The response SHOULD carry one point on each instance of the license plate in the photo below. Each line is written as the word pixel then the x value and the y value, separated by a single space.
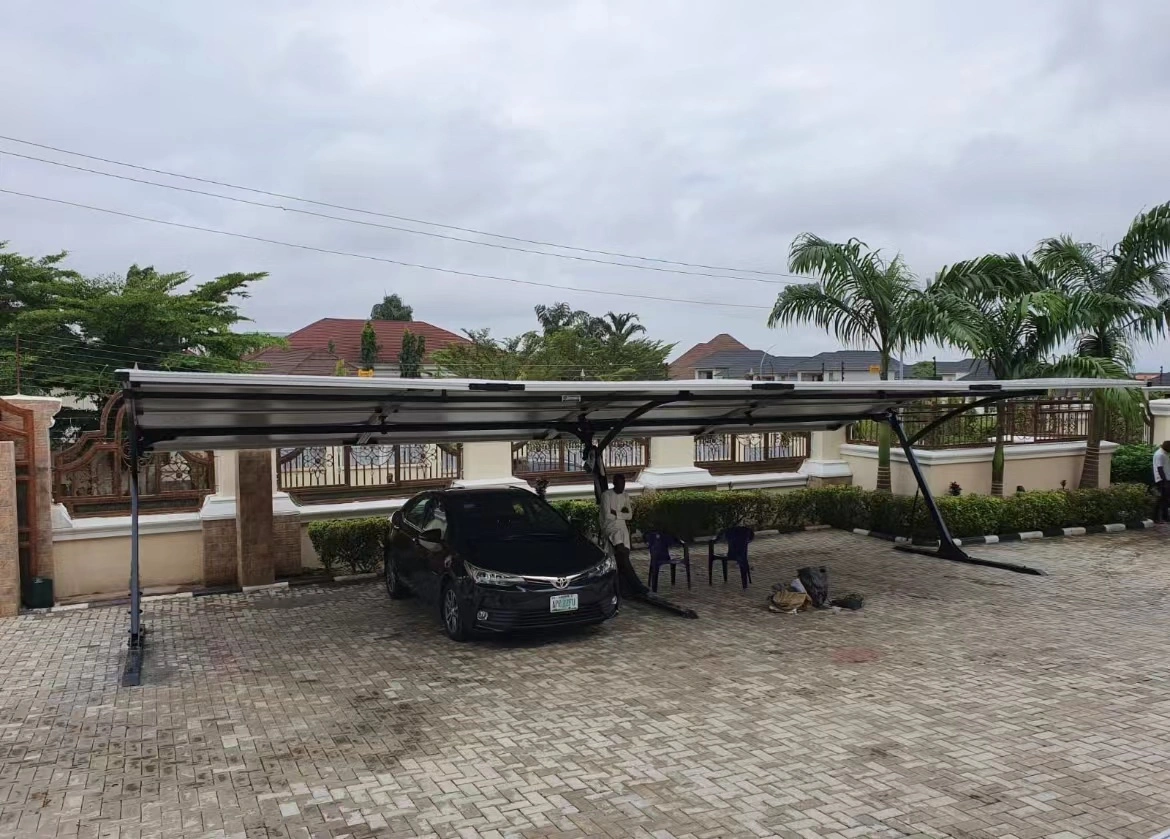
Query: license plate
pixel 562 603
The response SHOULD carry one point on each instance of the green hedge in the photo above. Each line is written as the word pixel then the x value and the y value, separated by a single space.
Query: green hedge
pixel 355 546
pixel 689 514
pixel 1132 464
pixel 352 546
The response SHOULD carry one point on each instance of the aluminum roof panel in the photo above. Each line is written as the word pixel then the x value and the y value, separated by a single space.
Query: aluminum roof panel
pixel 224 411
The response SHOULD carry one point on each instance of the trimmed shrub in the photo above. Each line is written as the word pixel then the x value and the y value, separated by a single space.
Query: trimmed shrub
pixel 355 546
pixel 789 511
pixel 687 514
pixel 1122 503
pixel 1132 464
pixel 582 515
pixel 1039 510
pixel 970 515
pixel 842 507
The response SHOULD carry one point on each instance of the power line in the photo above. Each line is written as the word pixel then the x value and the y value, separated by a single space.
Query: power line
pixel 372 258
pixel 395 228
pixel 408 219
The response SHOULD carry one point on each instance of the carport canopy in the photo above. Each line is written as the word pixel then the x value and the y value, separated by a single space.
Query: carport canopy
pixel 195 411
pixel 176 411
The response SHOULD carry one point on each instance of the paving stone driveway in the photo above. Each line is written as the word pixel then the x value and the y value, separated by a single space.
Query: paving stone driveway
pixel 962 702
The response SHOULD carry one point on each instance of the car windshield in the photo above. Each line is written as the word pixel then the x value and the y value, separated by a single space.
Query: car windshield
pixel 513 515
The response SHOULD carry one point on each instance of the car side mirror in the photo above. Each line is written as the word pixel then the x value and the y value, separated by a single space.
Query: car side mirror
pixel 434 536
pixel 396 518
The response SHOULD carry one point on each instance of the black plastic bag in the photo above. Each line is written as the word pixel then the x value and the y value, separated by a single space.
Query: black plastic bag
pixel 851 601
pixel 816 584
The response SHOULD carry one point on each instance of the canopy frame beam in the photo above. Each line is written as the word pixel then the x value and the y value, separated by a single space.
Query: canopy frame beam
pixel 132 674
pixel 947 547
pixel 630 583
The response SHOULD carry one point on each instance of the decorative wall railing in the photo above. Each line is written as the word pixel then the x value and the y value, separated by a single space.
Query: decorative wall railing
pixel 91 477
pixel 560 461
pixel 1025 421
pixel 347 473
pixel 772 451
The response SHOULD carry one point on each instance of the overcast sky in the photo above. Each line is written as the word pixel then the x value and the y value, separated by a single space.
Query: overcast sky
pixel 695 131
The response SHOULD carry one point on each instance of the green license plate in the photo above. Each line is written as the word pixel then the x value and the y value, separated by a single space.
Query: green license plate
pixel 562 603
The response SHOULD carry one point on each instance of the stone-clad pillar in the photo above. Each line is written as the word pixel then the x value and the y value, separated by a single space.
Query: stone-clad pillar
pixel 254 531
pixel 9 535
pixel 44 408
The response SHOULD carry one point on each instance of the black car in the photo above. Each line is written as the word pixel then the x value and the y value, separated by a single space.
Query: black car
pixel 497 560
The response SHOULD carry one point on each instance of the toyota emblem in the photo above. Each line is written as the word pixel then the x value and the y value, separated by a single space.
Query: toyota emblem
pixel 561 582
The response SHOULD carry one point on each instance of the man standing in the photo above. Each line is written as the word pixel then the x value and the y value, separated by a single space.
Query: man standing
pixel 616 511
pixel 1162 481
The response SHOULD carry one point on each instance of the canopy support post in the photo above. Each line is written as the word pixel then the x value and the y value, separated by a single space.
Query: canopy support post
pixel 628 580
pixel 947 549
pixel 132 675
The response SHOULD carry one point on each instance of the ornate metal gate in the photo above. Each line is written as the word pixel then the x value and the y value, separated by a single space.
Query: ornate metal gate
pixel 16 424
pixel 92 476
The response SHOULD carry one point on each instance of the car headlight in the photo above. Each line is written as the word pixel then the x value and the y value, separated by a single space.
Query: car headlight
pixel 602 568
pixel 484 577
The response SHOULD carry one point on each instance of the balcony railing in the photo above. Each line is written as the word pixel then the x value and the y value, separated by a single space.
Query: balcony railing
pixel 1026 421
pixel 560 461
pixel 773 451
pixel 347 473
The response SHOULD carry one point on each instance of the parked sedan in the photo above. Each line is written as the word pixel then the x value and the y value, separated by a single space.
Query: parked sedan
pixel 497 560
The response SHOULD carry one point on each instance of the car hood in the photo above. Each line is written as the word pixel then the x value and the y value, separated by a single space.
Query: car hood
pixel 533 557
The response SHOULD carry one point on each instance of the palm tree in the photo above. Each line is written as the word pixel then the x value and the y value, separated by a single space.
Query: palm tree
pixel 1003 310
pixel 561 316
pixel 859 297
pixel 1124 292
pixel 619 328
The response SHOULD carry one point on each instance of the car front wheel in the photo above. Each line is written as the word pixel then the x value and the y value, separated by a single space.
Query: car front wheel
pixel 395 588
pixel 452 613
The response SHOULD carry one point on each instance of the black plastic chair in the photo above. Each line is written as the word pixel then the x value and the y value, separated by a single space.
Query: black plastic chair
pixel 737 539
pixel 660 545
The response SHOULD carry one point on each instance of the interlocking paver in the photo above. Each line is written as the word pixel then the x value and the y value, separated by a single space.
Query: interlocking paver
pixel 962 702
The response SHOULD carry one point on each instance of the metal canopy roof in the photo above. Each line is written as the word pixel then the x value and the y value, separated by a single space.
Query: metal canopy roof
pixel 193 411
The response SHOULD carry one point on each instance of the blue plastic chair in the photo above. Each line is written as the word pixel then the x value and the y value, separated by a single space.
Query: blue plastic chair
pixel 737 539
pixel 660 545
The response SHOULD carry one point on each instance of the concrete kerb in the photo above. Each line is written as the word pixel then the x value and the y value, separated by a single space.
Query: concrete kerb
pixel 1022 536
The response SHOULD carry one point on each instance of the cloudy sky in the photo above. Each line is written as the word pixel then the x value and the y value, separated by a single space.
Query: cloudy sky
pixel 698 132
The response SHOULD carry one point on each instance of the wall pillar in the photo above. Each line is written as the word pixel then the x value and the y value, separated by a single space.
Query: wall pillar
pixel 1160 409
pixel 825 466
pixel 218 517
pixel 488 465
pixel 44 409
pixel 286 527
pixel 254 519
pixel 672 466
pixel 9 537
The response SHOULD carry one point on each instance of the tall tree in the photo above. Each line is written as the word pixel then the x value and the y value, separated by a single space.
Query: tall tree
pixel 1003 310
pixel 619 328
pixel 570 345
pixel 29 284
pixel 392 308
pixel 859 297
pixel 79 330
pixel 1123 292
pixel 410 359
pixel 370 346
pixel 560 316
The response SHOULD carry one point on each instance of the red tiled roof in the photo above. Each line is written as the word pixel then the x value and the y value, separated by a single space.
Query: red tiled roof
pixel 683 367
pixel 299 362
pixel 346 335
